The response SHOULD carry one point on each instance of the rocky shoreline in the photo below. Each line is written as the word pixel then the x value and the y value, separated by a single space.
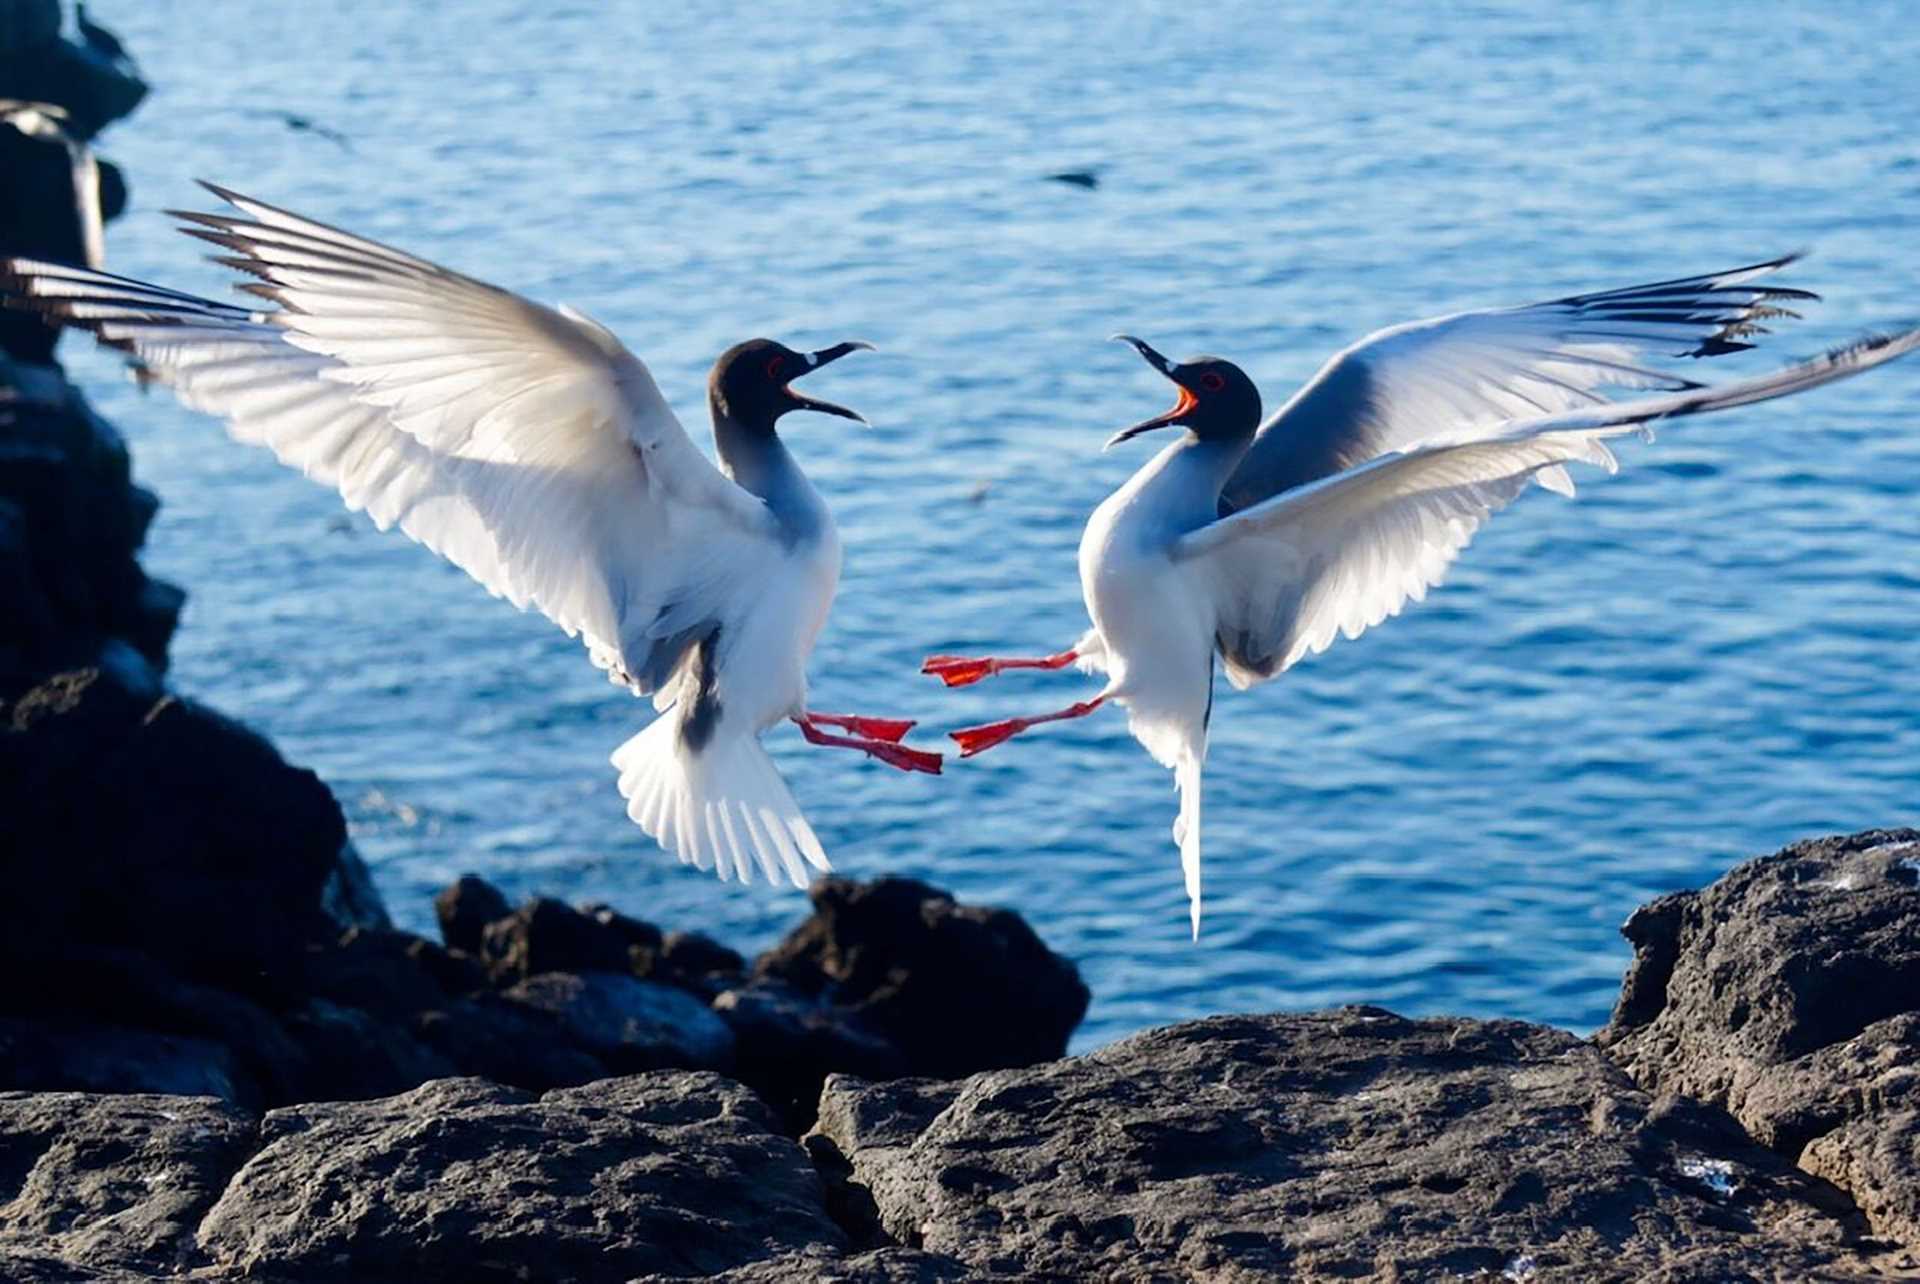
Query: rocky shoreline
pixel 220 1060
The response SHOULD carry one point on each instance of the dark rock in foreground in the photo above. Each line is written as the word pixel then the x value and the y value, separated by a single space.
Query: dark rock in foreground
pixel 677 1174
pixel 1789 992
pixel 1346 1145
pixel 1334 1146
pixel 113 1182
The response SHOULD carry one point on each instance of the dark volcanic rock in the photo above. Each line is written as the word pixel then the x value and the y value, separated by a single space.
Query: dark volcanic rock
pixel 957 988
pixel 464 909
pixel 93 999
pixel 110 1182
pixel 627 1023
pixel 45 1054
pixel 28 1267
pixel 671 1174
pixel 486 1035
pixel 349 898
pixel 154 823
pixel 546 935
pixel 633 932
pixel 787 1043
pixel 692 961
pixel 355 1054
pixel 1353 1144
pixel 1789 992
pixel 392 974
pixel 819 1266
pixel 75 523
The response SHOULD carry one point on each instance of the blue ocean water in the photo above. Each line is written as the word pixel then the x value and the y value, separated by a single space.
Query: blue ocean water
pixel 1706 656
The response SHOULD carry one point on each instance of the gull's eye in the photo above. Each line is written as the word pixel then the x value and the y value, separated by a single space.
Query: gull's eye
pixel 1213 381
pixel 773 367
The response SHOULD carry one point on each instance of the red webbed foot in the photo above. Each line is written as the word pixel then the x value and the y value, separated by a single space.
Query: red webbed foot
pixel 888 729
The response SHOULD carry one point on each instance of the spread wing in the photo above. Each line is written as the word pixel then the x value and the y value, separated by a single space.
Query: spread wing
pixel 1479 370
pixel 525 445
pixel 1339 555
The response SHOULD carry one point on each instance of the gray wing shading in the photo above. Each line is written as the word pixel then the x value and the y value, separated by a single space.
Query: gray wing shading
pixel 1339 555
pixel 1478 370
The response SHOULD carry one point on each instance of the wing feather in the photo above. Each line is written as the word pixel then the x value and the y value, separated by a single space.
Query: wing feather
pixel 1337 556
pixel 525 445
pixel 1479 370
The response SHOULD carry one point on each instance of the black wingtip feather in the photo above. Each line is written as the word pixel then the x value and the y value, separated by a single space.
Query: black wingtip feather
pixel 226 194
pixel 1718 347
pixel 199 217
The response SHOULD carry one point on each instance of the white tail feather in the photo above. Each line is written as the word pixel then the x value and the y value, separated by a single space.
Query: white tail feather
pixel 724 808
pixel 1186 829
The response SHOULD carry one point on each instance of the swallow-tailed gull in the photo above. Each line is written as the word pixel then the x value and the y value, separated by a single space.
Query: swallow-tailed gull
pixel 1259 547
pixel 530 448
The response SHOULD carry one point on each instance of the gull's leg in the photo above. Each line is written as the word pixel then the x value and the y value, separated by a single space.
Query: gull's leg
pixel 979 739
pixel 962 670
pixel 885 750
pixel 888 729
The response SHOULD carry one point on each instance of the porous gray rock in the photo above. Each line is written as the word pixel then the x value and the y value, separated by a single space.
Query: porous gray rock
pixel 24 1266
pixel 629 1024
pixel 1789 992
pixel 1346 1145
pixel 112 1183
pixel 669 1174
pixel 822 1266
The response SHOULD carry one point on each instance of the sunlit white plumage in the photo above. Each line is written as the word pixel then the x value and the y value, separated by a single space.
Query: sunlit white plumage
pixel 530 448
pixel 1263 547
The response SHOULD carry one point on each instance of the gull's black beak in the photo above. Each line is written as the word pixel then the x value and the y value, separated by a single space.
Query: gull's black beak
pixel 1181 407
pixel 814 361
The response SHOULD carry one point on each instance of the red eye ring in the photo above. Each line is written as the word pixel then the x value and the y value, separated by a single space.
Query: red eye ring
pixel 773 367
pixel 1213 381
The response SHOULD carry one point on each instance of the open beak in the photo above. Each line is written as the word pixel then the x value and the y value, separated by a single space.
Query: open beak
pixel 814 361
pixel 1181 407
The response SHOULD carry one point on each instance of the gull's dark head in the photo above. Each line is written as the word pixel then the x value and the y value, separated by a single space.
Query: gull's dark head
pixel 1217 402
pixel 751 383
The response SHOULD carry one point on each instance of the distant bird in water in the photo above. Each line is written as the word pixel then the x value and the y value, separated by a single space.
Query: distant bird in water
pixel 1087 178
pixel 306 125
pixel 1258 547
pixel 104 42
pixel 530 448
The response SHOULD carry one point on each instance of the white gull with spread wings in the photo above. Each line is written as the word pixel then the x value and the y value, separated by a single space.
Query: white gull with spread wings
pixel 1260 547
pixel 529 447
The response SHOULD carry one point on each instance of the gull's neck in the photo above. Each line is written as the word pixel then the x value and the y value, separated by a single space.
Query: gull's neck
pixel 1179 489
pixel 753 455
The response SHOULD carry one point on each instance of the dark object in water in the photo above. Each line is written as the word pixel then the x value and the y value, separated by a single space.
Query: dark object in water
pixel 303 124
pixel 1076 178
pixel 307 123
